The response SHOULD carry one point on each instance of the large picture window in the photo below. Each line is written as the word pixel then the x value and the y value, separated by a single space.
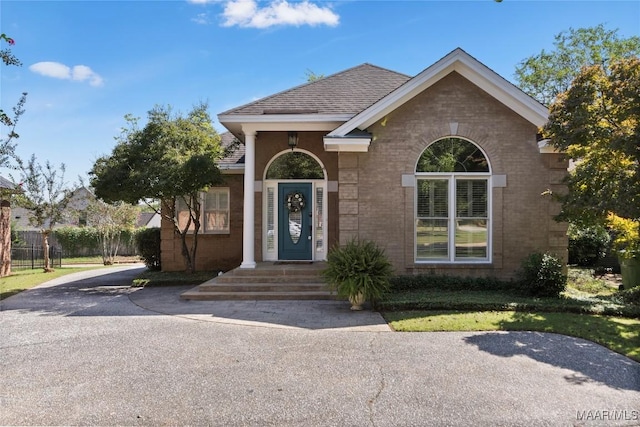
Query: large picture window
pixel 214 214
pixel 452 203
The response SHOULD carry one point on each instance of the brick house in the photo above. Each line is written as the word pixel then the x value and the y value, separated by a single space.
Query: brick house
pixel 444 170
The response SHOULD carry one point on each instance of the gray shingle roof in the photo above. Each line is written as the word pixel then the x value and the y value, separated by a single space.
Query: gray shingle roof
pixel 346 92
pixel 5 184
pixel 236 156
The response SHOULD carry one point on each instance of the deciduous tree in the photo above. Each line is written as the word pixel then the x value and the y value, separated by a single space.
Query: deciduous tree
pixel 46 197
pixel 173 158
pixel 549 73
pixel 597 123
pixel 7 148
pixel 111 220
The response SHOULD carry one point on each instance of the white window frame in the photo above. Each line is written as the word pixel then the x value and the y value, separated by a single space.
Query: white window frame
pixel 451 179
pixel 203 195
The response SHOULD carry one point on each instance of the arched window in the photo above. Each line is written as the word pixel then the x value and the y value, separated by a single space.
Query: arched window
pixel 295 165
pixel 453 203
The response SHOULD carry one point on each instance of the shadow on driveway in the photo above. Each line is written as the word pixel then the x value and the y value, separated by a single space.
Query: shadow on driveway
pixel 592 363
pixel 91 292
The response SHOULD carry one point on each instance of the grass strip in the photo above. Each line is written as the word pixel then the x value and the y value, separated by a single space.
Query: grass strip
pixel 434 299
pixel 21 280
pixel 177 278
pixel 621 335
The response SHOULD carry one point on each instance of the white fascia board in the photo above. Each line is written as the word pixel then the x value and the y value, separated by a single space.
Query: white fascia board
pixel 237 169
pixel 346 144
pixel 284 118
pixel 545 147
pixel 468 67
pixel 509 95
pixel 387 104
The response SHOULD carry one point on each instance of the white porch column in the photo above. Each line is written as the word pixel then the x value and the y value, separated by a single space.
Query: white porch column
pixel 248 226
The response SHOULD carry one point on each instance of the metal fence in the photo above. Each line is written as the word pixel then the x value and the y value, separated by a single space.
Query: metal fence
pixel 32 256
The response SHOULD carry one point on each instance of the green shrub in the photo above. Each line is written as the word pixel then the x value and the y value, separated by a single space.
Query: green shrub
pixel 542 275
pixel 358 267
pixel 148 246
pixel 587 245
pixel 78 241
pixel 631 296
pixel 452 283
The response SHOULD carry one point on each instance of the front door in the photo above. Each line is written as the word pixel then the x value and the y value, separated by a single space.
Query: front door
pixel 295 221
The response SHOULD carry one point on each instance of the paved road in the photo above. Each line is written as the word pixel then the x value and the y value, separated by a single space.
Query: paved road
pixel 91 351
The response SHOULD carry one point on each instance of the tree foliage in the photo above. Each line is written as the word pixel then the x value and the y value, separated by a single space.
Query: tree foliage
pixel 312 76
pixel 45 196
pixel 7 148
pixel 172 158
pixel 550 73
pixel 111 220
pixel 597 123
pixel 295 165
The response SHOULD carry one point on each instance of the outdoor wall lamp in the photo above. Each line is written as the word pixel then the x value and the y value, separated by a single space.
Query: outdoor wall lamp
pixel 293 140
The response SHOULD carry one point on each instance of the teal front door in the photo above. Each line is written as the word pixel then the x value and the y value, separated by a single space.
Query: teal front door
pixel 295 221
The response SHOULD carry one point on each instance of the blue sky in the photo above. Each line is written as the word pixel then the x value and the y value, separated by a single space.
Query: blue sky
pixel 88 63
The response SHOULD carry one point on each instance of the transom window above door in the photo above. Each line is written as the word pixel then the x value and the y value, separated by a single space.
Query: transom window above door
pixel 295 165
pixel 452 203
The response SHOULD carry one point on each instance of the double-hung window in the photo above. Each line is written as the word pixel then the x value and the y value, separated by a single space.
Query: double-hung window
pixel 214 211
pixel 453 199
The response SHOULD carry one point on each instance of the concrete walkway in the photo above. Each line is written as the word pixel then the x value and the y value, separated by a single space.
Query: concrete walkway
pixel 322 314
pixel 89 350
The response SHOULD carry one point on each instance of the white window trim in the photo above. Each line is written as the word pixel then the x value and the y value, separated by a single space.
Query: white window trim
pixel 451 177
pixel 202 213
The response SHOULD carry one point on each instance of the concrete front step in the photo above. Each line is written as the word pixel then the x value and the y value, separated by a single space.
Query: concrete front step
pixel 299 278
pixel 268 281
pixel 261 287
pixel 277 270
pixel 196 295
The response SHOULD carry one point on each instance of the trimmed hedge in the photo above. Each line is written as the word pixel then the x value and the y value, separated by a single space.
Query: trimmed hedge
pixel 452 283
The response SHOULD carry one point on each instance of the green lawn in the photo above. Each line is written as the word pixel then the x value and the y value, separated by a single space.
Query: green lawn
pixel 21 280
pixel 589 309
pixel 621 335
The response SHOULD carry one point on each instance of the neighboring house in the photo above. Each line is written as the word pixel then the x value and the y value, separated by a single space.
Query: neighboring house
pixel 75 212
pixel 444 170
pixel 148 220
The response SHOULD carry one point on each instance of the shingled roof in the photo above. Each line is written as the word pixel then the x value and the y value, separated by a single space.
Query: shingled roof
pixel 347 92
pixel 235 156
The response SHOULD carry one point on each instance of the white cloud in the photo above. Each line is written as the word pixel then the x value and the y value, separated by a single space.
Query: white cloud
pixel 246 13
pixel 201 19
pixel 52 69
pixel 60 71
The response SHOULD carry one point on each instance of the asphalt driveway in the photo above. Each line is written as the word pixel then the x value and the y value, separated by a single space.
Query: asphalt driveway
pixel 89 350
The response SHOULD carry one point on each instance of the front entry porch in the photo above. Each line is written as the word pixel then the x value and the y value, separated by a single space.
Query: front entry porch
pixel 268 281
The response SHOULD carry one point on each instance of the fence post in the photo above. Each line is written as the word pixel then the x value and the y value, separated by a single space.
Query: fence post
pixel 33 252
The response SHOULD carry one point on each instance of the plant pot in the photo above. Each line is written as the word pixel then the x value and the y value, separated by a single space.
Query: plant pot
pixel 356 301
pixel 630 269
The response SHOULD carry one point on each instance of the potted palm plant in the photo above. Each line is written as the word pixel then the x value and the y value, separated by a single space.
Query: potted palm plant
pixel 359 271
pixel 626 242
